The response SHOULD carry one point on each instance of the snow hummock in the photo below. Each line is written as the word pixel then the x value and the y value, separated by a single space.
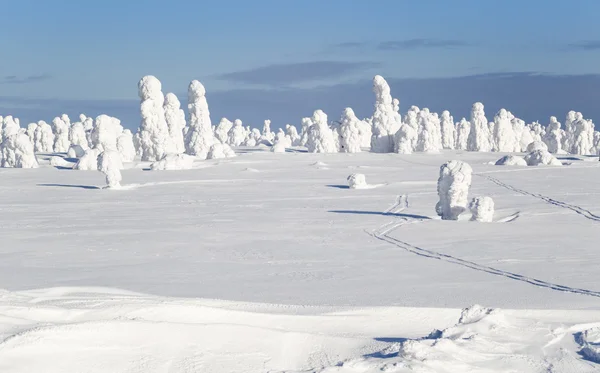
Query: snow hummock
pixel 511 160
pixel 541 157
pixel 110 164
pixel 357 181
pixel 536 145
pixel 482 209
pixel 453 189
pixel 173 162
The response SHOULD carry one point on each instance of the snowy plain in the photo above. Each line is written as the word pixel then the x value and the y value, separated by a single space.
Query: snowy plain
pixel 310 275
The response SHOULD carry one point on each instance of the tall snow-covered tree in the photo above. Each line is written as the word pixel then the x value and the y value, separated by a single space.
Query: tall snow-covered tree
pixel 155 140
pixel 199 137
pixel 448 130
pixel 429 134
pixel 44 138
pixel 11 127
pixel 61 135
pixel 350 136
pixel 385 125
pixel 292 133
pixel 453 189
pixel 463 129
pixel 320 136
pixel 583 135
pixel 105 133
pixel 222 130
pixel 553 137
pixel 125 146
pixel 504 136
pixel 406 138
pixel 236 134
pixel 16 151
pixel 479 136
pixel 175 118
pixel 77 135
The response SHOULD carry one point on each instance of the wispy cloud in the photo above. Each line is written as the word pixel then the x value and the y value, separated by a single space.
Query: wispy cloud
pixel 293 73
pixel 589 45
pixel 405 44
pixel 13 79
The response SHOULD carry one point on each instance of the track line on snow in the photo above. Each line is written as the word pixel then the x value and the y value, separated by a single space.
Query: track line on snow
pixel 578 209
pixel 382 233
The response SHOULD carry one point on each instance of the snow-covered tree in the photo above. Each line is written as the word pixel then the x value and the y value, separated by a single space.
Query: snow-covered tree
pixel 200 136
pixel 453 189
pixel 77 135
pixel 222 130
pixel 155 140
pixel 89 161
pixel 583 136
pixel 30 131
pixel 463 129
pixel 569 138
pixel 110 164
pixel 536 145
pixel 16 151
pixel 292 133
pixel 306 124
pixel 537 131
pixel 429 133
pixel 505 139
pixel 44 138
pixel 320 136
pixel 385 123
pixel 448 130
pixel 175 118
pixel 479 136
pixel 125 146
pixel 11 127
pixel 236 134
pixel 266 131
pixel 106 131
pixel 482 209
pixel 407 136
pixel 350 136
pixel 553 137
pixel 61 135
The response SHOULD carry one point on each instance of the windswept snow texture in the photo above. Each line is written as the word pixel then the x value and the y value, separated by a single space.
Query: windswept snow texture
pixel 343 280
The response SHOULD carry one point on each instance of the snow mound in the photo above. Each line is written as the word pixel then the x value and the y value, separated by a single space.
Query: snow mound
pixel 75 151
pixel 220 151
pixel 482 209
pixel 170 162
pixel 511 160
pixel 279 147
pixel 590 343
pixel 57 161
pixel 541 157
pixel 357 181
pixel 536 145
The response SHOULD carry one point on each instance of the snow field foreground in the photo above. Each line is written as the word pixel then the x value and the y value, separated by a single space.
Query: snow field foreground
pixel 97 330
pixel 357 271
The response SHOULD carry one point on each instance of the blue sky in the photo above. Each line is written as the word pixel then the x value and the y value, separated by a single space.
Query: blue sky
pixel 61 54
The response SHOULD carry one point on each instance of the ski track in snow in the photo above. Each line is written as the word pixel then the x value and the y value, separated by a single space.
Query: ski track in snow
pixel 578 209
pixel 382 233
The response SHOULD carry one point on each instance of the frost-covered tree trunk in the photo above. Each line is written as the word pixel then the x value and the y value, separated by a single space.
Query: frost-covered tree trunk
pixel 504 137
pixel 109 163
pixel 16 151
pixel 320 136
pixel 61 135
pixel 175 118
pixel 125 146
pixel 155 140
pixel 453 189
pixel 448 130
pixel 200 136
pixel 553 137
pixel 479 136
pixel 350 136
pixel 44 138
pixel 384 118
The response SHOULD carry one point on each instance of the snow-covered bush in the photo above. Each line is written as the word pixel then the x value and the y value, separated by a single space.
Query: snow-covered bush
pixel 320 136
pixel 482 209
pixel 125 146
pixel 173 162
pixel 44 138
pixel 16 151
pixel 536 145
pixel 199 137
pixel 252 138
pixel 76 151
pixel 61 135
pixel 385 123
pixel 463 129
pixel 155 139
pixel 479 136
pixel 222 130
pixel 109 163
pixel 541 157
pixel 175 118
pixel 554 136
pixel 350 136
pixel 511 160
pixel 218 151
pixel 278 147
pixel 453 189
pixel 237 134
pixel 89 161
pixel 448 130
pixel 357 181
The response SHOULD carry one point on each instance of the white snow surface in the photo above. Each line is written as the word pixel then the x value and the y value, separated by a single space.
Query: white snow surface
pixel 312 277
